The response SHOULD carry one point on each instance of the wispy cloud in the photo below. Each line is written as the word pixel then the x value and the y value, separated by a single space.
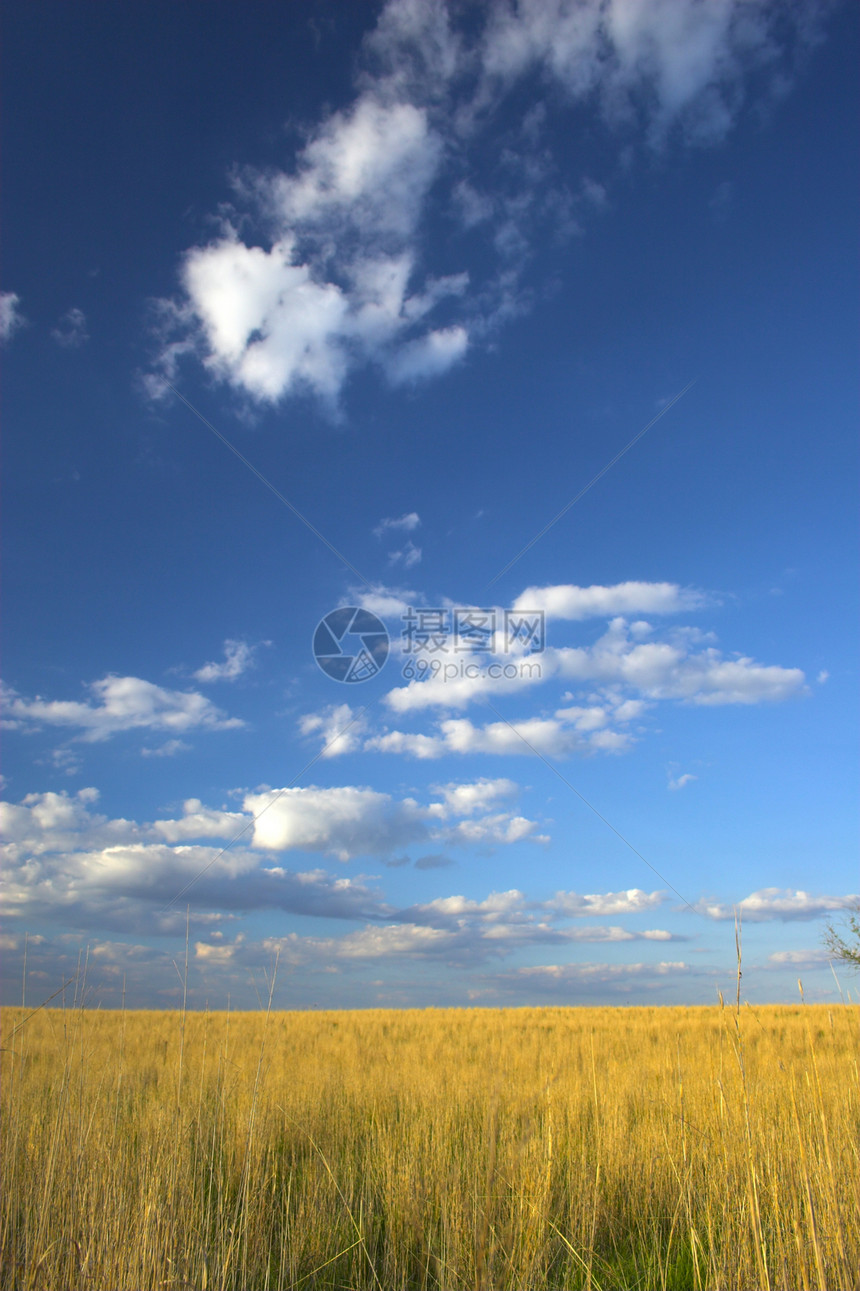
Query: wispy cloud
pixel 71 331
pixel 407 523
pixel 238 658
pixel 170 749
pixel 11 318
pixel 322 266
pixel 340 729
pixel 406 556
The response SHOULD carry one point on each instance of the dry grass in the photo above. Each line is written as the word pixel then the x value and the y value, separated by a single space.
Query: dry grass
pixel 604 1148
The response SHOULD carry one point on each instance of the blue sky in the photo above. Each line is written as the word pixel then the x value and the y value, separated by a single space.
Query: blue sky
pixel 428 269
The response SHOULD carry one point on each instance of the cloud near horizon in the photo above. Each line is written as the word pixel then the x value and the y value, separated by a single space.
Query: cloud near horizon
pixel 785 904
pixel 66 862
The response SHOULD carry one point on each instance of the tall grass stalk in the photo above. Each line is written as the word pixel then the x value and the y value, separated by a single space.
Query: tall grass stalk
pixel 570 1148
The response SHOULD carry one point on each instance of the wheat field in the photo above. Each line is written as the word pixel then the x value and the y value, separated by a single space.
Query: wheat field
pixel 512 1148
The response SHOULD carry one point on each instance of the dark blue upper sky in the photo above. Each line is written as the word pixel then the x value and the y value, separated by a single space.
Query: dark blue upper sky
pixel 429 268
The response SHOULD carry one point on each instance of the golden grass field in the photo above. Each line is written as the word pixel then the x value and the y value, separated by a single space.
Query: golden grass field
pixel 521 1148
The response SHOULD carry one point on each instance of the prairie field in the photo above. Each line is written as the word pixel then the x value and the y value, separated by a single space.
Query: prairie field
pixel 512 1148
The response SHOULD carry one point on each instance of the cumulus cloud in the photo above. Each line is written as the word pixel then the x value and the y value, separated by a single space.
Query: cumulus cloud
pixel 71 331
pixel 11 318
pixel 606 688
pixel 777 903
pixel 64 861
pixel 632 901
pixel 287 318
pixel 119 704
pixel 238 658
pixel 568 601
pixel 349 821
pixel 324 265
pixel 550 737
pixel 343 822
pixel 198 822
pixel 480 796
pixel 59 822
pixel 386 602
pixel 670 669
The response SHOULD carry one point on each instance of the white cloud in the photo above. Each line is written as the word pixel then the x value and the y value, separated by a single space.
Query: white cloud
pixel 813 958
pixel 551 737
pixel 407 523
pixel 567 601
pixel 344 822
pixel 287 318
pixel 414 744
pixel 427 356
pixel 678 782
pixel 406 556
pixel 170 749
pixel 71 331
pixel 63 759
pixel 350 821
pixel 500 828
pixel 610 685
pixel 214 954
pixel 11 318
pixel 238 658
pixel 395 941
pixel 328 272
pixel 386 602
pixel 120 704
pixel 469 799
pixel 57 822
pixel 371 166
pixel 674 62
pixel 546 737
pixel 420 941
pixel 632 901
pixel 339 727
pixel 63 860
pixel 619 976
pixel 458 929
pixel 777 903
pixel 670 669
pixel 198 821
